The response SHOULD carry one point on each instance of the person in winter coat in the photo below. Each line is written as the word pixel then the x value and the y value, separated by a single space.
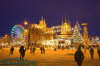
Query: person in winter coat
pixel 11 50
pixel 79 56
pixel 22 52
pixel 91 52
pixel 98 51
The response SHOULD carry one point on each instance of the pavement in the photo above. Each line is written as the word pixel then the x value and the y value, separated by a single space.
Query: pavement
pixel 52 58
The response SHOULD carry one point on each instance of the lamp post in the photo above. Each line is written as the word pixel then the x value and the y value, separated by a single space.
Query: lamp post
pixel 28 37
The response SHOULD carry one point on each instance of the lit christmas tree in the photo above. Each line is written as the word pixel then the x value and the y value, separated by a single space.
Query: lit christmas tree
pixel 77 37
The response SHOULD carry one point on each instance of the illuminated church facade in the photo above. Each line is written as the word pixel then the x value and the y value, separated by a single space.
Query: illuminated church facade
pixel 64 30
pixel 58 33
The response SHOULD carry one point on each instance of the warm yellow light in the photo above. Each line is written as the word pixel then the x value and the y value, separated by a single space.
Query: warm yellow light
pixel 26 23
pixel 84 24
pixel 6 35
pixel 32 25
pixel 26 30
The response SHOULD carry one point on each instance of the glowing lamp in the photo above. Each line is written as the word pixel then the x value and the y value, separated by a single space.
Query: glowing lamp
pixel 84 24
pixel 26 23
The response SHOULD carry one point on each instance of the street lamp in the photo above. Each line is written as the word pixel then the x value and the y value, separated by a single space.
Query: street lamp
pixel 28 40
pixel 25 23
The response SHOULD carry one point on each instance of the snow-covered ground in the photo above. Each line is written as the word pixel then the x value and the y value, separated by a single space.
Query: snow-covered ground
pixel 52 58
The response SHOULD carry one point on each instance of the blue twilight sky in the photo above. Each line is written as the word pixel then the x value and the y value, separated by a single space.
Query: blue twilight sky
pixel 16 11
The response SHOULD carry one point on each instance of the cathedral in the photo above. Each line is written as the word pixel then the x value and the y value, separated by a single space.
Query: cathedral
pixel 66 29
pixel 61 33
pixel 58 35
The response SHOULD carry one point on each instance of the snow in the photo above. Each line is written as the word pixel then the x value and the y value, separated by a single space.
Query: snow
pixel 52 58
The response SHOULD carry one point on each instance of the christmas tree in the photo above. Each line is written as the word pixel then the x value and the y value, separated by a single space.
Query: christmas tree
pixel 77 37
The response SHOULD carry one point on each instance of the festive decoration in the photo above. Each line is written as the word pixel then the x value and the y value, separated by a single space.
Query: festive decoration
pixel 77 37
pixel 85 35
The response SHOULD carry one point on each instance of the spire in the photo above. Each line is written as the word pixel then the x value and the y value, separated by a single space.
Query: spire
pixel 42 18
pixel 44 21
pixel 41 21
pixel 68 19
pixel 65 19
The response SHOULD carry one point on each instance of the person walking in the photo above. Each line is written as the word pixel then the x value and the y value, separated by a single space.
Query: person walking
pixel 91 52
pixel 79 56
pixel 31 50
pixel 98 51
pixel 22 52
pixel 11 50
pixel 63 47
pixel 55 48
pixel 43 48
pixel 34 49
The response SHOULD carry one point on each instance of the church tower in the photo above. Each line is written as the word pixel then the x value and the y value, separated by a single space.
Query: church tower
pixel 69 26
pixel 66 27
pixel 42 23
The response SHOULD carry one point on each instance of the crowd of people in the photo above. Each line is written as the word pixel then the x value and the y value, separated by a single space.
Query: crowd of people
pixel 78 56
pixel 22 51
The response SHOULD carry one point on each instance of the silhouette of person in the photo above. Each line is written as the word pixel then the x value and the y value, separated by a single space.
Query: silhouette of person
pixel 12 50
pixel 55 48
pixel 91 52
pixel 62 47
pixel 34 49
pixel 22 52
pixel 98 51
pixel 43 48
pixel 31 50
pixel 79 56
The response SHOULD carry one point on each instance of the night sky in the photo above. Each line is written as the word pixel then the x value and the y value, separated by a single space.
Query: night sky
pixel 17 11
